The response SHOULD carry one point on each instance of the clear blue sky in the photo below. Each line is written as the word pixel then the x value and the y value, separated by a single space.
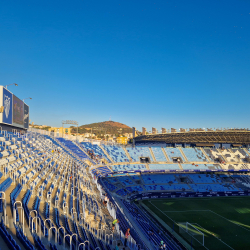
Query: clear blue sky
pixel 144 63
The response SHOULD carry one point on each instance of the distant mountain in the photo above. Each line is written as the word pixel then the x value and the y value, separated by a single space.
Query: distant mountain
pixel 108 127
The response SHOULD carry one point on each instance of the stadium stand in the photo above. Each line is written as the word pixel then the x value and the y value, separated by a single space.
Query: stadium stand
pixel 163 166
pixel 173 153
pixel 137 152
pixel 158 153
pixel 130 167
pixel 97 150
pixel 195 166
pixel 61 190
pixel 213 188
pixel 240 154
pixel 230 167
pixel 159 179
pixel 117 153
pixel 229 156
pixel 204 178
pixel 194 154
pixel 178 187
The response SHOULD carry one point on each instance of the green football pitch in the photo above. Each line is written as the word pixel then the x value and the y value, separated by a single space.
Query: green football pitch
pixel 225 222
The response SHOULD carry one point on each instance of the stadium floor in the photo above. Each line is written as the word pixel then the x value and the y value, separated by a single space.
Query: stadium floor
pixel 225 221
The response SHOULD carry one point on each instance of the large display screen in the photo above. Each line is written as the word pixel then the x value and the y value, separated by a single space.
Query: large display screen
pixel 13 111
pixel 18 114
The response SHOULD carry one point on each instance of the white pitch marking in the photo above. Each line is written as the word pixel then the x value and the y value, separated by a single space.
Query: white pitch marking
pixel 213 235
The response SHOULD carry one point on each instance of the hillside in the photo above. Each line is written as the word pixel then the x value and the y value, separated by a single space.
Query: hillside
pixel 107 127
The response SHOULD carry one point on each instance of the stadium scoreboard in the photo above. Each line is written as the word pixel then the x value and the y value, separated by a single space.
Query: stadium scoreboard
pixel 13 111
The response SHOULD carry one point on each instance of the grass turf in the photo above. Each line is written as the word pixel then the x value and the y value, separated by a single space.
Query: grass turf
pixel 225 221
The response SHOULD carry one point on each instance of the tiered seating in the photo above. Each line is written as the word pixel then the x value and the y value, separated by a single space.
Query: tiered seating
pixel 163 166
pixel 47 210
pixel 234 166
pixel 134 176
pixel 137 152
pixel 135 189
pixel 130 167
pixel 213 187
pixel 173 187
pixel 71 146
pixel 156 178
pixel 240 181
pixel 194 154
pixel 3 187
pixel 174 152
pixel 205 178
pixel 13 197
pixel 26 199
pixel 23 239
pixel 101 171
pixel 8 239
pixel 122 192
pixel 145 224
pixel 201 166
pixel 158 153
pixel 230 157
pixel 36 207
pixel 110 186
pixel 123 225
pixel 39 243
pixel 112 179
pixel 239 153
pixel 41 168
pixel 125 180
pixel 116 153
pixel 214 154
pixel 97 150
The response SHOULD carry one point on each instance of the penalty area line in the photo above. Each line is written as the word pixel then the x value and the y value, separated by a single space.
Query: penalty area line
pixel 161 211
pixel 184 211
pixel 212 234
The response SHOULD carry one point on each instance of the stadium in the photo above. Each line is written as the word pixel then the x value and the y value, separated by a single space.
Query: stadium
pixel 187 190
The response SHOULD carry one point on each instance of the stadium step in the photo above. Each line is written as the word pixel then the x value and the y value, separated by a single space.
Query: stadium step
pixel 152 153
pixel 126 152
pixel 165 154
pixel 246 151
pixel 106 153
pixel 203 151
pixel 225 159
pixel 180 166
pixel 235 157
pixel 184 156
pixel 80 148
pixel 136 227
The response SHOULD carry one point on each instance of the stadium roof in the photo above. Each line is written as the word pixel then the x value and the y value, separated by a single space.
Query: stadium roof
pixel 198 137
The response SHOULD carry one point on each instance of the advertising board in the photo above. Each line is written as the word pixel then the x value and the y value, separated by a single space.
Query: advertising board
pixel 18 112
pixel 7 104
pixel 26 116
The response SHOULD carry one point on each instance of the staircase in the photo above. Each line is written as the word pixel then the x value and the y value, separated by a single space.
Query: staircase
pixel 225 159
pixel 180 166
pixel 235 157
pixel 106 153
pixel 246 151
pixel 152 153
pixel 127 154
pixel 203 151
pixel 184 156
pixel 164 152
